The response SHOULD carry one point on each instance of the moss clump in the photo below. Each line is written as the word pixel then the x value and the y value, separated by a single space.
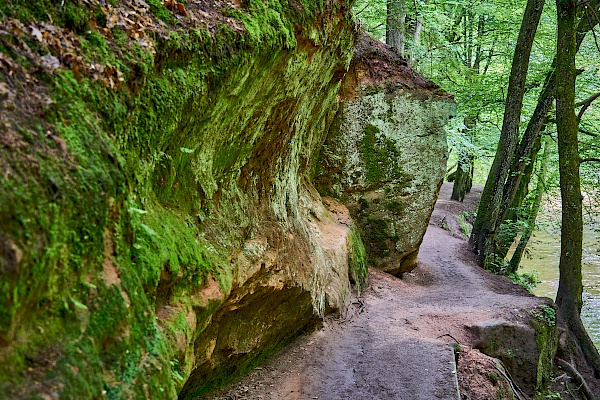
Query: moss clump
pixel 380 156
pixel 546 339
pixel 395 207
pixel 377 237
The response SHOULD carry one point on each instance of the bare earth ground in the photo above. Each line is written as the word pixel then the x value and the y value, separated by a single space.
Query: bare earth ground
pixel 396 340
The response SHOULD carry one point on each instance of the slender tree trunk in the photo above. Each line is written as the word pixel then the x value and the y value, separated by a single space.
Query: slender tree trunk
pixel 570 287
pixel 487 221
pixel 523 189
pixel 537 123
pixel 469 39
pixel 478 49
pixel 416 37
pixel 464 170
pixel 517 256
pixel 396 25
pixel 506 237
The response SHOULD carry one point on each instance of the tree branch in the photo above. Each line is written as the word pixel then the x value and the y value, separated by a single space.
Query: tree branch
pixel 586 132
pixel 586 104
pixel 589 159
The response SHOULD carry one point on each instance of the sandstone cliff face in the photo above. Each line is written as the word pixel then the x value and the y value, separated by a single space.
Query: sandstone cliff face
pixel 385 156
pixel 160 231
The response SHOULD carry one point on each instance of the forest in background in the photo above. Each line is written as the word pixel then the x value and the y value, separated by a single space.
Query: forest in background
pixel 467 48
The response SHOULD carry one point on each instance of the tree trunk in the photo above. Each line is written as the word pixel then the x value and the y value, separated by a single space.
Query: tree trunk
pixel 515 260
pixel 523 189
pixel 395 25
pixel 570 287
pixel 537 123
pixel 508 229
pixel 416 37
pixel 463 179
pixel 482 239
pixel 478 48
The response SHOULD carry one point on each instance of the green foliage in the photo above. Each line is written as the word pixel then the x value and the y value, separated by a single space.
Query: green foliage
pixel 528 280
pixel 463 224
pixel 493 377
pixel 545 314
pixel 547 395
pixel 160 11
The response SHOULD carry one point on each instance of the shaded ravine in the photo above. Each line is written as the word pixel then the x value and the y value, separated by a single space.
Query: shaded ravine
pixel 396 340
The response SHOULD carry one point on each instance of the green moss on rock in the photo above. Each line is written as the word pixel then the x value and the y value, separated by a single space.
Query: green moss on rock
pixel 124 200
pixel 359 272
pixel 380 156
pixel 546 338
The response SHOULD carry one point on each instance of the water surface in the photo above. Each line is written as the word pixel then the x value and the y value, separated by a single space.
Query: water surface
pixel 544 254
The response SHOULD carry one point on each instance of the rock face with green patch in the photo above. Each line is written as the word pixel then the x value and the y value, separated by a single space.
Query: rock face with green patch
pixel 159 230
pixel 385 154
pixel 527 348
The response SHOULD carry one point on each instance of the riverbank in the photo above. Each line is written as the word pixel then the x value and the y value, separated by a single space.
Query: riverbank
pixel 543 257
pixel 397 339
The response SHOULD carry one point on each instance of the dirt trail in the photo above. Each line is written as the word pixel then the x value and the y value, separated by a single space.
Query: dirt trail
pixel 396 341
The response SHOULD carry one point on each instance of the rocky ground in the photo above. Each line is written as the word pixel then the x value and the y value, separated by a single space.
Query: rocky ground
pixel 400 339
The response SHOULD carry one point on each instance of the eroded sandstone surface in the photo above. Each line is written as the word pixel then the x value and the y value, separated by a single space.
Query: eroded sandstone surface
pixel 161 229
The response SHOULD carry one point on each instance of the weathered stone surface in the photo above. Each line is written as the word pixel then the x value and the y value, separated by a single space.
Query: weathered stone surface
pixel 385 155
pixel 160 228
pixel 526 349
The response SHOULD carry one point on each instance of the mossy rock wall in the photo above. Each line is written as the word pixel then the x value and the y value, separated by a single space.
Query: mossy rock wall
pixel 159 231
pixel 385 155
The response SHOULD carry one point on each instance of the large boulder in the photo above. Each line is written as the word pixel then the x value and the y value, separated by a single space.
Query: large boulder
pixel 385 154
pixel 526 346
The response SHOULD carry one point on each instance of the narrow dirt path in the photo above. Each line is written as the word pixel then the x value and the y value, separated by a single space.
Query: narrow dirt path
pixel 396 340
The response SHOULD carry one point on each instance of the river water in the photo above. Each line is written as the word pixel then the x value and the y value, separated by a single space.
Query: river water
pixel 544 254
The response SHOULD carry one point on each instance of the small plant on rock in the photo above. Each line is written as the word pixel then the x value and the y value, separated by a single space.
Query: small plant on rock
pixel 545 314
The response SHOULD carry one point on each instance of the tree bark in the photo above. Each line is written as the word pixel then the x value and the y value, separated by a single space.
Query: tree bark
pixel 487 221
pixel 536 125
pixel 570 287
pixel 463 180
pixel 396 25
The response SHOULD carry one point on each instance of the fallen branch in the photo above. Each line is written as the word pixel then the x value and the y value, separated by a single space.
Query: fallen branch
pixel 449 335
pixel 577 376
pixel 359 303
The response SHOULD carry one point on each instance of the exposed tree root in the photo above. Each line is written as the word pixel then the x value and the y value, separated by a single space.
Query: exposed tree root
pixel 571 370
